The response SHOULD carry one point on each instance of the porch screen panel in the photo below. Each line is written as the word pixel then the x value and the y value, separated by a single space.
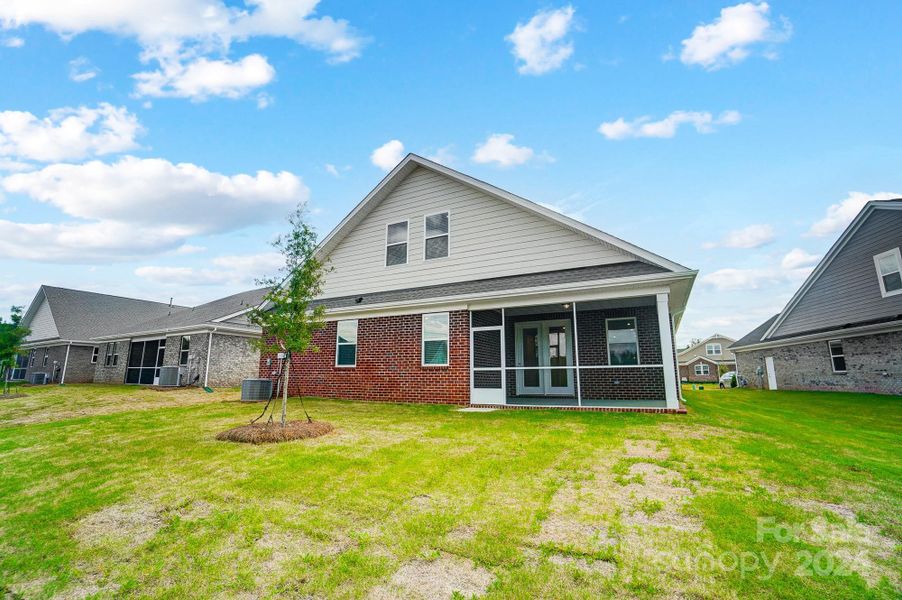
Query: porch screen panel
pixel 485 318
pixel 487 380
pixel 487 360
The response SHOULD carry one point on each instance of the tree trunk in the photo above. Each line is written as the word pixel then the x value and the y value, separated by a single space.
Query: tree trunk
pixel 285 388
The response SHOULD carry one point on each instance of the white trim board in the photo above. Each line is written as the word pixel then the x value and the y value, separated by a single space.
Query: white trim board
pixel 833 334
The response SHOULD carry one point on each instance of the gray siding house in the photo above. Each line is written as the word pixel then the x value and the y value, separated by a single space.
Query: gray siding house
pixel 842 330
pixel 82 337
pixel 704 361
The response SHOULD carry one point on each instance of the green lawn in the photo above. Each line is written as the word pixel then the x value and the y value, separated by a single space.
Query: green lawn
pixel 114 491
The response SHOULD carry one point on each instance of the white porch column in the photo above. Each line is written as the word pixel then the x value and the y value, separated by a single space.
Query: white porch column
pixel 667 357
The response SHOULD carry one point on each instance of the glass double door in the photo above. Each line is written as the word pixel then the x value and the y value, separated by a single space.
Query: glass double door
pixel 544 344
pixel 144 361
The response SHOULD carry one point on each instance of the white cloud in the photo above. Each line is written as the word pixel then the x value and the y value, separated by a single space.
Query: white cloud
pixel 541 44
pixel 136 207
pixel 190 249
pixel 444 155
pixel 798 258
pixel 729 38
pixel 264 100
pixel 68 133
pixel 839 215
pixel 203 78
pixel 751 236
pixel 499 148
pixel 13 42
pixel 752 279
pixel 181 33
pixel 81 70
pixel 644 127
pixel 388 155
pixel 231 270
pixel 336 171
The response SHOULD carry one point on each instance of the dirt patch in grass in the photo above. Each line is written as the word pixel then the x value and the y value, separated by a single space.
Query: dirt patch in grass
pixel 657 500
pixel 860 547
pixel 461 534
pixel 603 567
pixel 11 396
pixel 696 431
pixel 273 433
pixel 131 524
pixel 438 578
pixel 645 449
pixel 561 530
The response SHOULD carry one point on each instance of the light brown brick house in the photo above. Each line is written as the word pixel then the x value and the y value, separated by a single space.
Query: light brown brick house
pixel 704 361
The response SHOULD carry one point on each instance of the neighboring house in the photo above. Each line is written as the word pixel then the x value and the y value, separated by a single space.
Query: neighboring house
pixel 445 289
pixel 843 329
pixel 704 361
pixel 81 337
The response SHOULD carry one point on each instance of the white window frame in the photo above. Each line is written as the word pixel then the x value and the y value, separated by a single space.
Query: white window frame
pixel 31 358
pixel 607 340
pixel 46 357
pixel 356 323
pixel 406 242
pixel 429 237
pixel 183 350
pixel 702 371
pixel 95 354
pixel 898 256
pixel 714 345
pixel 833 356
pixel 433 338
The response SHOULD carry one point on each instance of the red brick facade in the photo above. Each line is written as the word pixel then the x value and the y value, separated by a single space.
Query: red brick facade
pixel 389 364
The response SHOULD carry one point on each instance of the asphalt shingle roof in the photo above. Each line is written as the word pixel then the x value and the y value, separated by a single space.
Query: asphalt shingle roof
pixel 81 315
pixel 755 335
pixel 613 271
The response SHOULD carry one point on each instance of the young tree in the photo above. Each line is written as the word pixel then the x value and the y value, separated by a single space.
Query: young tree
pixel 12 334
pixel 286 316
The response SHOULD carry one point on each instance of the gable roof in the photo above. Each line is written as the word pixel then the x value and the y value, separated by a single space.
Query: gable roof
pixel 209 314
pixel 413 161
pixel 703 342
pixel 867 211
pixel 80 315
pixel 755 335
pixel 695 358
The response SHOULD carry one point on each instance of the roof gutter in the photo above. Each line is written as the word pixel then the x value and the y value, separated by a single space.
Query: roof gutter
pixel 200 328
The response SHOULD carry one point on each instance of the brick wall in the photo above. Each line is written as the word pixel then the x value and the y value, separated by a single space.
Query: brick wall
pixel 388 364
pixel 55 354
pixel 687 372
pixel 232 359
pixel 80 369
pixel 873 364
pixel 112 374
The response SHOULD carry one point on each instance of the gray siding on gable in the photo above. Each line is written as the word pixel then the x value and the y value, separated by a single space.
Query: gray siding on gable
pixel 489 238
pixel 42 325
pixel 848 291
pixel 700 350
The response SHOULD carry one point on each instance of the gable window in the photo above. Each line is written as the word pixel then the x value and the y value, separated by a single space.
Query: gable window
pixel 889 272
pixel 346 344
pixel 702 369
pixel 837 356
pixel 183 351
pixel 396 244
pixel 623 341
pixel 436 231
pixel 94 354
pixel 713 349
pixel 436 332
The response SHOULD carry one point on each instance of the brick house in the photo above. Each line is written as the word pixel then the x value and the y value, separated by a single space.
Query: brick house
pixel 703 362
pixel 842 330
pixel 82 337
pixel 444 289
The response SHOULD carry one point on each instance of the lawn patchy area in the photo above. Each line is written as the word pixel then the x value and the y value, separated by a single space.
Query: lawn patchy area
pixel 118 491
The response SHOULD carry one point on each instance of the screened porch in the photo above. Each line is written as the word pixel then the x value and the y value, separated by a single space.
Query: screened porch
pixel 592 353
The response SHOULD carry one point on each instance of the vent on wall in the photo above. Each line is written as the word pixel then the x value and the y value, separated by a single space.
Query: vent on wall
pixel 169 376
pixel 255 390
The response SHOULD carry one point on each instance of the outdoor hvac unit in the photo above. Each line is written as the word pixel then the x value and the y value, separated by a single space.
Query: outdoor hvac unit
pixel 255 390
pixel 169 376
pixel 39 378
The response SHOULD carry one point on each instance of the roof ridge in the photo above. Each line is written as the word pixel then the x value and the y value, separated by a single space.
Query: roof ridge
pixel 54 287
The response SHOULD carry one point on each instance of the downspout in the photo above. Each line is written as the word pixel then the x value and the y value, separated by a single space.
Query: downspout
pixel 209 351
pixel 65 364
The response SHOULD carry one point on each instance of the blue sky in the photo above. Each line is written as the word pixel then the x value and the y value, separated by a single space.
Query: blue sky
pixel 157 157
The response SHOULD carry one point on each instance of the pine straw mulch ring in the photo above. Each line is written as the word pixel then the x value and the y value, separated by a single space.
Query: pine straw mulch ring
pixel 272 433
